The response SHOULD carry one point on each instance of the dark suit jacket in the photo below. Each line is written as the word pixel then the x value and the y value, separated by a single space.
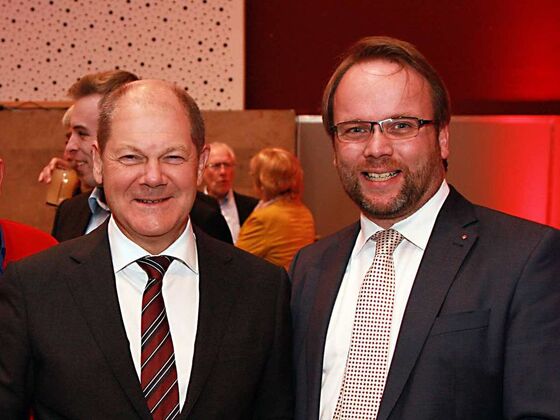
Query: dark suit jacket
pixel 72 218
pixel 245 205
pixel 480 337
pixel 64 348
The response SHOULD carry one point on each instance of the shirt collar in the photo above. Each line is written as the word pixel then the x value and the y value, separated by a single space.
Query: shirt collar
pixel 228 197
pixel 125 252
pixel 96 201
pixel 416 228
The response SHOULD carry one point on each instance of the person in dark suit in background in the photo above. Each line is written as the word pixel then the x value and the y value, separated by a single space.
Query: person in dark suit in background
pixel 219 176
pixel 86 211
pixel 459 314
pixel 80 335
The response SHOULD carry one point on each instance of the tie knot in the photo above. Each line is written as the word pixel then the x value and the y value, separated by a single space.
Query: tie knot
pixel 155 267
pixel 386 241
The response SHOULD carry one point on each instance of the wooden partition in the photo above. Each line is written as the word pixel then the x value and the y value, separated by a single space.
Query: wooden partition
pixel 29 138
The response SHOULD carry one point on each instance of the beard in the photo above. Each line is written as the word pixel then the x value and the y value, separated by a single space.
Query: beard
pixel 418 187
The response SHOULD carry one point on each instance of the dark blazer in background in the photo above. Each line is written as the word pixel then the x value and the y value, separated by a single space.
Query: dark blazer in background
pixel 72 218
pixel 245 205
pixel 64 348
pixel 480 337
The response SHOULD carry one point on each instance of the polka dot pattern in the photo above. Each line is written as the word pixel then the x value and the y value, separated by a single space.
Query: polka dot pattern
pixel 366 367
pixel 46 45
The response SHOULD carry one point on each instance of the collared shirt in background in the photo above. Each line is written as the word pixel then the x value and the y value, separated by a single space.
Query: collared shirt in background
pixel 230 213
pixel 416 230
pixel 228 209
pixel 98 208
pixel 180 294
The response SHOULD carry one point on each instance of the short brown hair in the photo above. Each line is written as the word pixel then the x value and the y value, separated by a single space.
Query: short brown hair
pixel 277 172
pixel 110 101
pixel 100 83
pixel 397 51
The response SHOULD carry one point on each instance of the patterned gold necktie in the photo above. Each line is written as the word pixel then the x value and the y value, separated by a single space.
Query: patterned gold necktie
pixel 366 366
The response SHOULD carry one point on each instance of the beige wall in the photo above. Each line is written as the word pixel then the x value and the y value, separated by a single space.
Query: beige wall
pixel 29 138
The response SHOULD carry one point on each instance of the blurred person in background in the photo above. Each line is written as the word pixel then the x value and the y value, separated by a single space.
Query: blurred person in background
pixel 64 162
pixel 86 211
pixel 18 240
pixel 280 224
pixel 219 176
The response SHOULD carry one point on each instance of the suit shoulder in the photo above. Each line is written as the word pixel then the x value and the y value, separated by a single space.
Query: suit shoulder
pixel 236 259
pixel 334 239
pixel 245 199
pixel 515 228
pixel 78 201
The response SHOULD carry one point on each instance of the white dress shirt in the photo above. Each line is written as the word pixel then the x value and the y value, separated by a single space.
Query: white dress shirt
pixel 180 294
pixel 98 208
pixel 230 213
pixel 416 230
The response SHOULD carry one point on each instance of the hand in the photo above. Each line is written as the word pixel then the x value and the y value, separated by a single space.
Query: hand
pixel 55 162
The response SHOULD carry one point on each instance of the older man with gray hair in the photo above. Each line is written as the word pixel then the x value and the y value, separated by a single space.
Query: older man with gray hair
pixel 219 176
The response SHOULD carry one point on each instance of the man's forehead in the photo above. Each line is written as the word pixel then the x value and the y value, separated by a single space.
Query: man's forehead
pixel 219 154
pixel 382 81
pixel 147 104
pixel 382 71
pixel 85 112
pixel 87 103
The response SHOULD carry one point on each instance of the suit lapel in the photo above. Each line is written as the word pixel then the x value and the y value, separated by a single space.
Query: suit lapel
pixel 82 217
pixel 218 292
pixel 330 271
pixel 245 206
pixel 92 284
pixel 75 218
pixel 454 233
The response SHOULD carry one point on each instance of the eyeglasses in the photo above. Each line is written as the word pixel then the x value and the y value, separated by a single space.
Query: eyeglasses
pixel 219 165
pixel 400 128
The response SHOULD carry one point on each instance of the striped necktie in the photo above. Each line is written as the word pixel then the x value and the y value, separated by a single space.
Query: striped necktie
pixel 158 370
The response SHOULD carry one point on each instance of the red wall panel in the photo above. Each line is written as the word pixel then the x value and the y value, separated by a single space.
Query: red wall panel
pixel 496 56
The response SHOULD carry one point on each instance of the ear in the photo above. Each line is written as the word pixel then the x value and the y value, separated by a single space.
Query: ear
pixel 202 159
pixel 1 171
pixel 443 140
pixel 97 164
pixel 335 160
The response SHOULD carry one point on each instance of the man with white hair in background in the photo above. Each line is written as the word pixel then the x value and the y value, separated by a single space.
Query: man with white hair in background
pixel 219 176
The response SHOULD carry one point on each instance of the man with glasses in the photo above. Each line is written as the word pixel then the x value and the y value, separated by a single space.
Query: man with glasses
pixel 429 307
pixel 219 175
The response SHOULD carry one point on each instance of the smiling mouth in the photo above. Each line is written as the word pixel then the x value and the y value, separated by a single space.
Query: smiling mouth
pixel 378 177
pixel 145 201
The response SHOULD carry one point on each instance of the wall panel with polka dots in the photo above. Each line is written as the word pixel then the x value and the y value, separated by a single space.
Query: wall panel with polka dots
pixel 45 45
